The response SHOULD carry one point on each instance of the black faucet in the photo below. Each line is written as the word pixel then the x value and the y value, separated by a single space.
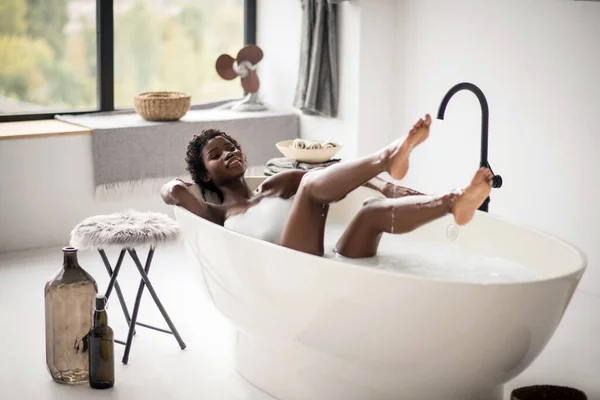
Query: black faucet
pixel 485 114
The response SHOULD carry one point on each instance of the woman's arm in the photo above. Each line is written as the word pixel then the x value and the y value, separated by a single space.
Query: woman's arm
pixel 390 190
pixel 176 193
pixel 285 183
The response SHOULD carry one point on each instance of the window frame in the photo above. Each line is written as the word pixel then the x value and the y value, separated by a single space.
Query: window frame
pixel 105 79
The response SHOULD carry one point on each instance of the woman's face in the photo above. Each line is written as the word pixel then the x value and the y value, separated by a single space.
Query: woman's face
pixel 223 160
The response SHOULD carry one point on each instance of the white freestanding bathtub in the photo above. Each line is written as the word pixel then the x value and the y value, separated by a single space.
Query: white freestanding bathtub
pixel 317 328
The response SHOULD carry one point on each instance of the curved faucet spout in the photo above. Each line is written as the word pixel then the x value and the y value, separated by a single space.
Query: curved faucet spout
pixel 485 115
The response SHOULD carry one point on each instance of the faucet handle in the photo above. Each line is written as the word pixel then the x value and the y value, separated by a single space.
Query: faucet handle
pixel 497 181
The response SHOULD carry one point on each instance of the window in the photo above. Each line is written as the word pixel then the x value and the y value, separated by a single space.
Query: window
pixel 74 56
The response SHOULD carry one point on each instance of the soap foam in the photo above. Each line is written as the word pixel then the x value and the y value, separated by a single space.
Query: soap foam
pixel 435 260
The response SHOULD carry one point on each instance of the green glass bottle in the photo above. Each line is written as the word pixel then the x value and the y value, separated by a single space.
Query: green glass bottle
pixel 101 348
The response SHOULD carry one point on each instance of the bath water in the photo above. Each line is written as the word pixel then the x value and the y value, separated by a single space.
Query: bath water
pixel 435 260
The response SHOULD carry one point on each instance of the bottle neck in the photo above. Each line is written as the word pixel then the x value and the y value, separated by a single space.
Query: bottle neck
pixel 70 259
pixel 100 318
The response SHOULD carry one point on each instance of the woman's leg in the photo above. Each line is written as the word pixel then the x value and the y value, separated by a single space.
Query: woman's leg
pixel 305 227
pixel 402 215
pixel 336 181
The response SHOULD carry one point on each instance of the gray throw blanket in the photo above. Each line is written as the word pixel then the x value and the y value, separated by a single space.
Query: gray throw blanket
pixel 129 151
pixel 277 165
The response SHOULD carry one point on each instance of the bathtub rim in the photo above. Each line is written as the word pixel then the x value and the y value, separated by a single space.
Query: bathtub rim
pixel 578 272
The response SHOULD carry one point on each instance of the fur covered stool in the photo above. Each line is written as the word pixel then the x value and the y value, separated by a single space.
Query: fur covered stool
pixel 126 231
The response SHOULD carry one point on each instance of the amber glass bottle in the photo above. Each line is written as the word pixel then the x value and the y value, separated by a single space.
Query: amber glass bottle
pixel 69 301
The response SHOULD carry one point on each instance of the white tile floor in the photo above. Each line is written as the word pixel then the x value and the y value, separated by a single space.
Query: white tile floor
pixel 158 369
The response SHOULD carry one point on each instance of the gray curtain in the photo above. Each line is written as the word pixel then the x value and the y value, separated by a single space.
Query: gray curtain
pixel 317 87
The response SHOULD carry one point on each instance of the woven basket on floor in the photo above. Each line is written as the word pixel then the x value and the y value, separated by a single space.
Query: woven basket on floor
pixel 162 106
pixel 547 392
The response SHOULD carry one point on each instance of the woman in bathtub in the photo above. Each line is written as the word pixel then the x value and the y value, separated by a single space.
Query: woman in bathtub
pixel 290 208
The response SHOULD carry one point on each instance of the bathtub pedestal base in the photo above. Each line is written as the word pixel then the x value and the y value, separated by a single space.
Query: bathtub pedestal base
pixel 292 371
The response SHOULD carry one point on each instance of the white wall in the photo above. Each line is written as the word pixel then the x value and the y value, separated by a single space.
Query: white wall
pixel 278 34
pixel 378 67
pixel 366 33
pixel 279 24
pixel 537 63
pixel 46 188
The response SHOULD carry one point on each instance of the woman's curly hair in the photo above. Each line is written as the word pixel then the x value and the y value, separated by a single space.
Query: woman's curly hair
pixel 195 163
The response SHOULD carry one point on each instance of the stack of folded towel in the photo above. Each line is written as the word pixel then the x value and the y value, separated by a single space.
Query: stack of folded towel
pixel 313 145
pixel 276 165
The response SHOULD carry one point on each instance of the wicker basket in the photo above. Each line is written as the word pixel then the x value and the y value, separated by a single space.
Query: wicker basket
pixel 162 106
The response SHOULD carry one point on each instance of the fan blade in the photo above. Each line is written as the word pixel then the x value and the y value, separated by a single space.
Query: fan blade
pixel 224 67
pixel 250 83
pixel 250 53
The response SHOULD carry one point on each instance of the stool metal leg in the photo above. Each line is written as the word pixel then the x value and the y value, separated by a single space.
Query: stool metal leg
pixel 153 328
pixel 113 281
pixel 136 307
pixel 144 274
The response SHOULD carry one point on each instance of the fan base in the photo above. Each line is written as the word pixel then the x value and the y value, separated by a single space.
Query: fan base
pixel 249 103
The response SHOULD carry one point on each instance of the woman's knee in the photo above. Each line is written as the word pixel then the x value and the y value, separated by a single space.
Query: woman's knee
pixel 312 187
pixel 372 203
pixel 374 208
pixel 386 216
pixel 371 214
pixel 307 184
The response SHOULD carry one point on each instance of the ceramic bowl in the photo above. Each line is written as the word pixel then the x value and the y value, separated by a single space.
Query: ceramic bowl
pixel 307 155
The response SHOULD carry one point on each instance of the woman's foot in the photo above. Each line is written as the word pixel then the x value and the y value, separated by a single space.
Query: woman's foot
pixel 397 154
pixel 473 196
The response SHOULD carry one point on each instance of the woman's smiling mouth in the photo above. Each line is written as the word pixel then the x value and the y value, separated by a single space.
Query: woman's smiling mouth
pixel 235 162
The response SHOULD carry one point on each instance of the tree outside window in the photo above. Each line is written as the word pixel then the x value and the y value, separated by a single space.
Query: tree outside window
pixel 48 58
